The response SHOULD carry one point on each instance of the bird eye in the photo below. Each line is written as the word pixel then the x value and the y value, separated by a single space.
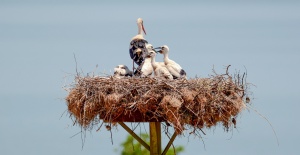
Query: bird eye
pixel 122 67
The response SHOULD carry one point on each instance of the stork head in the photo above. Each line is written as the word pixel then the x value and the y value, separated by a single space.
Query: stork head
pixel 122 70
pixel 150 48
pixel 152 53
pixel 163 49
pixel 141 23
pixel 138 51
pixel 139 20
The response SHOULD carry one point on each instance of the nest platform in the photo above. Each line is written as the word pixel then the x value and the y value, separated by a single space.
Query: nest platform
pixel 185 104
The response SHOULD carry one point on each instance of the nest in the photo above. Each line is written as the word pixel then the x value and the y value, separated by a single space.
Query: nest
pixel 185 104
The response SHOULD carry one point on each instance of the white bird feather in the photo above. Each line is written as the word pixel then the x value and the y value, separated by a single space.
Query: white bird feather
pixel 121 71
pixel 174 68
pixel 160 71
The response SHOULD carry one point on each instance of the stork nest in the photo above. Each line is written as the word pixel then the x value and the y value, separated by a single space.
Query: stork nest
pixel 186 104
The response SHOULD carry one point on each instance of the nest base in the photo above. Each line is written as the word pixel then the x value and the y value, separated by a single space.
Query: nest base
pixel 135 116
pixel 185 104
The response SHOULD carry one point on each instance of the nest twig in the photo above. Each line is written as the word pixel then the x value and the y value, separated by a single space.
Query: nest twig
pixel 186 104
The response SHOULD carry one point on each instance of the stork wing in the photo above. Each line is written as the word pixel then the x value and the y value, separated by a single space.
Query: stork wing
pixel 161 64
pixel 136 44
pixel 165 73
pixel 147 69
pixel 174 71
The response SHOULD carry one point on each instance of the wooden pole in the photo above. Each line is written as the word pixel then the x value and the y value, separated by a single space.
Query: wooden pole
pixel 155 138
pixel 169 144
pixel 135 136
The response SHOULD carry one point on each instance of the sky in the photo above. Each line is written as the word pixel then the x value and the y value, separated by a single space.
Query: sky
pixel 38 41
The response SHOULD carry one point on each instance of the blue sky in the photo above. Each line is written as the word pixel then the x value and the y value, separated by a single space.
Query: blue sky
pixel 38 39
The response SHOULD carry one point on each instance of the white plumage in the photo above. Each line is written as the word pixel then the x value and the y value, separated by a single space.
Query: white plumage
pixel 145 69
pixel 140 24
pixel 121 71
pixel 174 68
pixel 159 70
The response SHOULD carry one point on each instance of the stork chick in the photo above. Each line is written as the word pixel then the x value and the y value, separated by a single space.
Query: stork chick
pixel 122 71
pixel 159 70
pixel 174 68
pixel 145 69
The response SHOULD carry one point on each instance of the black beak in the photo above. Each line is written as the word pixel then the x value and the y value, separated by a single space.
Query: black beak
pixel 159 49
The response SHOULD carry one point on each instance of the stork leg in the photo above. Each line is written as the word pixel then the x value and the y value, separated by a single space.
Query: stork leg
pixel 132 66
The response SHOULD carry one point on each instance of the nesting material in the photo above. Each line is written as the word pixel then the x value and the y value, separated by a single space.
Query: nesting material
pixel 186 104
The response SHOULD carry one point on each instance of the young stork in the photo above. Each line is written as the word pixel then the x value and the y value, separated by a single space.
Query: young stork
pixel 145 69
pixel 173 67
pixel 121 71
pixel 137 48
pixel 159 70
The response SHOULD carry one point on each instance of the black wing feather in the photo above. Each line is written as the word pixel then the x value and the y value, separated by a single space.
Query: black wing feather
pixel 138 44
pixel 182 72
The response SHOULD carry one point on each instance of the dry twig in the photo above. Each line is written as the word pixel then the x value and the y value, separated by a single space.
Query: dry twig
pixel 186 104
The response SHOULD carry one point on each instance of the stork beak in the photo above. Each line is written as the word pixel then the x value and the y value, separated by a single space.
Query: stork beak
pixel 158 48
pixel 143 29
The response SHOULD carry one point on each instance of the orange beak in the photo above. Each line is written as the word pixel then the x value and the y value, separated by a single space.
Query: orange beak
pixel 143 29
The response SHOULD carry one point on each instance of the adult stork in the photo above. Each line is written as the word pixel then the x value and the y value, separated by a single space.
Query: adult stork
pixel 160 71
pixel 137 48
pixel 174 68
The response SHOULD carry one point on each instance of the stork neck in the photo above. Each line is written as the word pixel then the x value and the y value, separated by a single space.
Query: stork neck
pixel 166 57
pixel 148 59
pixel 140 29
pixel 153 62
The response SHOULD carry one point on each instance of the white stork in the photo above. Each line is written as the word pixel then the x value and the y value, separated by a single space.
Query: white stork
pixel 137 48
pixel 145 69
pixel 173 67
pixel 121 71
pixel 159 70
